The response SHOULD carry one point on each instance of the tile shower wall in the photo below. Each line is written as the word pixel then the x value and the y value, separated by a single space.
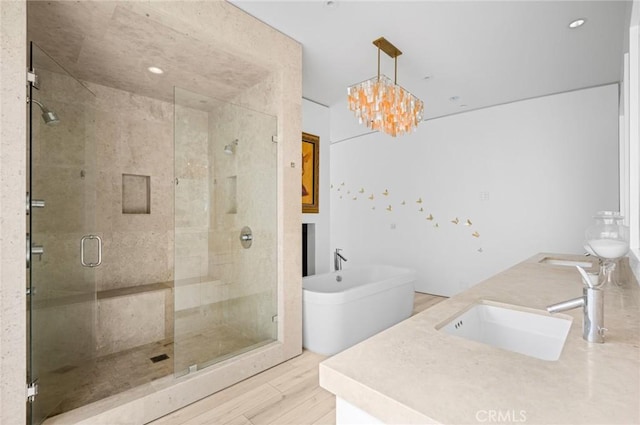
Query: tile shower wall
pixel 63 176
pixel 244 195
pixel 217 281
pixel 197 292
pixel 133 135
pixel 192 198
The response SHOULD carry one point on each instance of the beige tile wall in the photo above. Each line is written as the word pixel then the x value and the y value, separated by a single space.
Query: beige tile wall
pixel 192 201
pixel 103 134
pixel 110 133
pixel 130 321
pixel 251 273
pixel 218 281
pixel 134 136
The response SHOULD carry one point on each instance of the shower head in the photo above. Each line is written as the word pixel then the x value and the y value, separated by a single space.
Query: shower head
pixel 48 116
pixel 229 149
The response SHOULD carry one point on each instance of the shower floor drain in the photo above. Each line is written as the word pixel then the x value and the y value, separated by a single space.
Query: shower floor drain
pixel 159 358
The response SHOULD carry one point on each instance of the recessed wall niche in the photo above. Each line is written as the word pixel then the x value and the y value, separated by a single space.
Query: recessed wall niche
pixel 232 196
pixel 136 194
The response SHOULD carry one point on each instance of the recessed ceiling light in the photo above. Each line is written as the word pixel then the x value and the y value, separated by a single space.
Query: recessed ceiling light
pixel 155 70
pixel 427 77
pixel 454 98
pixel 330 3
pixel 577 23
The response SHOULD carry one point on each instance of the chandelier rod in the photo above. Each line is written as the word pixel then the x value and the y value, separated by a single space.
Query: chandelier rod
pixel 378 63
pixel 391 50
pixel 395 72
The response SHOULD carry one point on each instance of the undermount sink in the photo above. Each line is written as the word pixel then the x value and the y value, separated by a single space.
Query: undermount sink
pixel 519 329
pixel 570 263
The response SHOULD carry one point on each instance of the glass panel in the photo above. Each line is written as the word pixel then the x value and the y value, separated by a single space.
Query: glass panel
pixel 63 294
pixel 226 179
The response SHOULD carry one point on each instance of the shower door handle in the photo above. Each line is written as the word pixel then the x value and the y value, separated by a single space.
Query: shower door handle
pixel 82 241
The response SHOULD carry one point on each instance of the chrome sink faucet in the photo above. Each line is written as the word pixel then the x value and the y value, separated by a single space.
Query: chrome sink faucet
pixel 338 259
pixel 592 301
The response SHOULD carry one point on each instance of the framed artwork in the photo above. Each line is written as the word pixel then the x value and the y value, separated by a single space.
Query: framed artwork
pixel 310 172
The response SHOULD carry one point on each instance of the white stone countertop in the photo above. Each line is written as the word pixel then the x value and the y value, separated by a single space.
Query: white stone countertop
pixel 413 373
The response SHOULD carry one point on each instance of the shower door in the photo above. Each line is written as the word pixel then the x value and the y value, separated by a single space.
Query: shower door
pixel 226 240
pixel 62 251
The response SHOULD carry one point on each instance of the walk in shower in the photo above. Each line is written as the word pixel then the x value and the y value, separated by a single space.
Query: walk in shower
pixel 153 232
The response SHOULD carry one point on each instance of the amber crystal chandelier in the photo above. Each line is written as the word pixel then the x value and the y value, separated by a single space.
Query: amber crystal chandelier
pixel 383 105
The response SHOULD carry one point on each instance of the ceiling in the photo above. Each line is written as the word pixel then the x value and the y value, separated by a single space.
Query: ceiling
pixel 480 53
pixel 114 42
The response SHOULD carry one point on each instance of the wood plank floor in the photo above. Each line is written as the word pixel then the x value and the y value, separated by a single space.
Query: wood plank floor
pixel 285 394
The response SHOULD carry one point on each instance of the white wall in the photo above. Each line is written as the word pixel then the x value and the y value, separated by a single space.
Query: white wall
pixel 544 166
pixel 315 120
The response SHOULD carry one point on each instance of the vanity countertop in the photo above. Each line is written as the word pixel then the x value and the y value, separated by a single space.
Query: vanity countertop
pixel 413 373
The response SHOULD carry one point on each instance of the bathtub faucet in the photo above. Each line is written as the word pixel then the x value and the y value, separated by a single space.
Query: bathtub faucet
pixel 338 259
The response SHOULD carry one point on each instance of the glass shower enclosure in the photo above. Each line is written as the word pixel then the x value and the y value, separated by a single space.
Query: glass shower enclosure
pixel 99 322
pixel 225 230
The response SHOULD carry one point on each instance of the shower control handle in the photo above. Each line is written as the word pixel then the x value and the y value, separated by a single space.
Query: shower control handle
pixel 33 203
pixel 246 237
pixel 33 250
pixel 37 203
pixel 82 241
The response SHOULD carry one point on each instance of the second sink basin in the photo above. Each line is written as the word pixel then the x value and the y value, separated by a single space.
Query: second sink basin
pixel 519 329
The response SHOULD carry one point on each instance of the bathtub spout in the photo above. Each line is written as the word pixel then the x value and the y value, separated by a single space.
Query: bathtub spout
pixel 338 259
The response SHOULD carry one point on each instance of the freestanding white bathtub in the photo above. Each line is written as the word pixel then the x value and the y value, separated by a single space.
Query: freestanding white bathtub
pixel 340 309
